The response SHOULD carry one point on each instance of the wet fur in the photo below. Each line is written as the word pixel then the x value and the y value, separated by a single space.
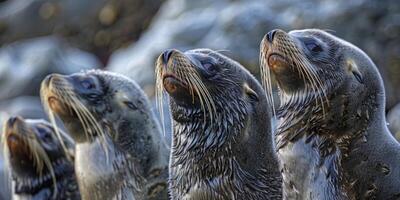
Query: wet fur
pixel 346 151
pixel 41 186
pixel 226 153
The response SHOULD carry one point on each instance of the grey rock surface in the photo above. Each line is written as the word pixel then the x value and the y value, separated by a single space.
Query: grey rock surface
pixel 237 27
pixel 24 106
pixel 99 26
pixel 25 63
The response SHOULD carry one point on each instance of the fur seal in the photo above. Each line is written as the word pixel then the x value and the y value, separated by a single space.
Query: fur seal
pixel 36 162
pixel 119 151
pixel 332 139
pixel 222 145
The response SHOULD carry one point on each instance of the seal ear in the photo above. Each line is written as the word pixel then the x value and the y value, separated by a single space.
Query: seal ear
pixel 353 68
pixel 250 92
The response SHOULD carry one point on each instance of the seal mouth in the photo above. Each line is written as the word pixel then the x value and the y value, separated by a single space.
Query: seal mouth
pixel 14 140
pixel 172 83
pixel 60 107
pixel 53 92
pixel 17 146
pixel 276 61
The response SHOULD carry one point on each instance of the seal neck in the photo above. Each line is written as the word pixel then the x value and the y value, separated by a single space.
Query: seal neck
pixel 158 156
pixel 63 169
pixel 206 147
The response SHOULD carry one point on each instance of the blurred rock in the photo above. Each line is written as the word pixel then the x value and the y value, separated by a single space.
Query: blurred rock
pixel 393 119
pixel 233 26
pixel 24 64
pixel 81 22
pixel 24 106
pixel 163 120
pixel 237 27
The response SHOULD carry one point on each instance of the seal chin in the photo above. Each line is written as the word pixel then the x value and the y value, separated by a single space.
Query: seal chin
pixel 286 75
pixel 15 142
pixel 173 84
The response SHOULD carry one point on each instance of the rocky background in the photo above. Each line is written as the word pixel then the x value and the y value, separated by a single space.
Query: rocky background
pixel 38 37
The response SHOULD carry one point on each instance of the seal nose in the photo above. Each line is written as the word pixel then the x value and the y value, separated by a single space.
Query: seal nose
pixel 270 35
pixel 11 121
pixel 48 79
pixel 167 54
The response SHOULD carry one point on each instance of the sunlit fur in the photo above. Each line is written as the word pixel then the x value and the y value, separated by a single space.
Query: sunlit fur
pixel 66 95
pixel 118 144
pixel 27 134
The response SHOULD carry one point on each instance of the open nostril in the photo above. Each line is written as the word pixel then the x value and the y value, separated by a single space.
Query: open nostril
pixel 270 35
pixel 167 54
pixel 12 120
pixel 48 79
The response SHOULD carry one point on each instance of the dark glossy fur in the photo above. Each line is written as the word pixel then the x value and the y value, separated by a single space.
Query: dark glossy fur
pixel 231 157
pixel 26 182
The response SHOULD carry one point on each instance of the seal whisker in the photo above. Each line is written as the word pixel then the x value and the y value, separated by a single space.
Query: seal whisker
pixel 160 93
pixel 214 102
pixel 95 125
pixel 266 79
pixel 209 100
pixel 38 155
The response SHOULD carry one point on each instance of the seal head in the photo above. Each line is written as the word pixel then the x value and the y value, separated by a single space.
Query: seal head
pixel 222 143
pixel 39 166
pixel 332 121
pixel 119 151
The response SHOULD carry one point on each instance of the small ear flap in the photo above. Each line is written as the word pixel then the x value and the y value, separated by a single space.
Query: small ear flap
pixel 353 68
pixel 250 92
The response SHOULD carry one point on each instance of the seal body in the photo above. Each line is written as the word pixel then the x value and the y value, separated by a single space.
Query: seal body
pixel 222 144
pixel 37 163
pixel 119 150
pixel 332 138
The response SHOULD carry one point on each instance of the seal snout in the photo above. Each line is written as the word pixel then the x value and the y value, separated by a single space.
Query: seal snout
pixel 166 55
pixel 12 133
pixel 52 91
pixel 270 35
pixel 283 57
pixel 11 121
pixel 170 73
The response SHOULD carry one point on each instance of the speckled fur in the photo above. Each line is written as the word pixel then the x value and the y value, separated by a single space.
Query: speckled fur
pixel 231 157
pixel 345 151
pixel 136 165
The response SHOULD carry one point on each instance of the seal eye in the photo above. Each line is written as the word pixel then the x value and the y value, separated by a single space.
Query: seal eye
pixel 358 76
pixel 209 67
pixel 130 105
pixel 312 45
pixel 250 93
pixel 87 84
pixel 44 135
